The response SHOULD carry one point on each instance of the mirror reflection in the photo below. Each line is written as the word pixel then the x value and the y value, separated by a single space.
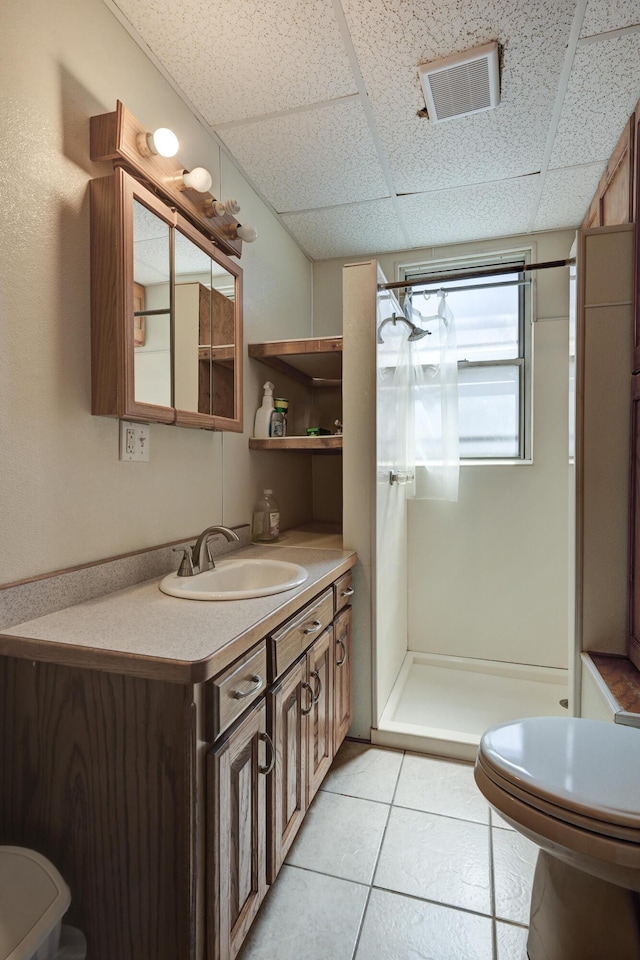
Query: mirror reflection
pixel 152 307
pixel 201 360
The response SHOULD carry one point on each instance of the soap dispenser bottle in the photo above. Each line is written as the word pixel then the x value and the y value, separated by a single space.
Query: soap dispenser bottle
pixel 265 526
pixel 262 423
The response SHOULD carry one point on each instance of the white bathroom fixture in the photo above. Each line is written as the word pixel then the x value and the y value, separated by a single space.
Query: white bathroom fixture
pixel 572 786
pixel 239 579
pixel 197 179
pixel 463 83
pixel 162 142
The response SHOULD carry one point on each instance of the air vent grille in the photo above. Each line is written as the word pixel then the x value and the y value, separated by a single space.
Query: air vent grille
pixel 462 84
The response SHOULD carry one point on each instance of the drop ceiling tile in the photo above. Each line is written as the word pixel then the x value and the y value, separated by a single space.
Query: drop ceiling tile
pixel 612 15
pixel 473 212
pixel 237 58
pixel 350 231
pixel 601 95
pixel 566 196
pixel 391 39
pixel 313 158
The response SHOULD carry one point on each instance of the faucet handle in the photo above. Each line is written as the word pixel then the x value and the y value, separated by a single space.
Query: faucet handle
pixel 186 564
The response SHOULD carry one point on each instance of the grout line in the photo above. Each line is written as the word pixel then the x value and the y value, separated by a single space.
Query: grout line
pixel 492 876
pixel 386 825
pixel 434 903
pixel 361 925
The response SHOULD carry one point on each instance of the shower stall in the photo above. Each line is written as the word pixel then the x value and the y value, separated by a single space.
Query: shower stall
pixel 464 599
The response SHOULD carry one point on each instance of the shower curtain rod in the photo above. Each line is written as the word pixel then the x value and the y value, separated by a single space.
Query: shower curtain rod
pixel 475 274
pixel 479 286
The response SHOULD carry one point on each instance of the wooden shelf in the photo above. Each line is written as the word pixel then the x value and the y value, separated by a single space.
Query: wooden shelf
pixel 330 444
pixel 315 362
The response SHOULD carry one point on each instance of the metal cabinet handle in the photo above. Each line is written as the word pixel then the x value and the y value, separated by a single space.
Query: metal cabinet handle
pixel 316 677
pixel 315 626
pixel 344 653
pixel 307 686
pixel 272 754
pixel 257 681
pixel 348 592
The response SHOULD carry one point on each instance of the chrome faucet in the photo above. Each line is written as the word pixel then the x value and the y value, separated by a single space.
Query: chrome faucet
pixel 200 553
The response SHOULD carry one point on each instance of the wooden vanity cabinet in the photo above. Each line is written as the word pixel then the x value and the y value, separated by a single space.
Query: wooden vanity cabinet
pixel 237 770
pixel 300 709
pixel 168 808
pixel 343 645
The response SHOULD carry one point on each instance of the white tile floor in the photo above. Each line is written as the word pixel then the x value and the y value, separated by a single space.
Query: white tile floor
pixel 399 858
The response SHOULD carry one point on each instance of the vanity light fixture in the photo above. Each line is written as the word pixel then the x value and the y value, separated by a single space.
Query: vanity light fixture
pixel 247 232
pixel 161 142
pixel 197 179
pixel 218 208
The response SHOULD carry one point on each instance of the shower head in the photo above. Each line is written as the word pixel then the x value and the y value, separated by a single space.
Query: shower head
pixel 415 334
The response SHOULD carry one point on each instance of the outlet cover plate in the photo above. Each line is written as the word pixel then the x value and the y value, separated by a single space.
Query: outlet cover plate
pixel 134 441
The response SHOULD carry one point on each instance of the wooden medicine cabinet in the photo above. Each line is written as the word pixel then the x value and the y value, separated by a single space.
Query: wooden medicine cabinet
pixel 166 312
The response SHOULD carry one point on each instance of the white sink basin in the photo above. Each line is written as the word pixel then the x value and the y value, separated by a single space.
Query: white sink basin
pixel 236 580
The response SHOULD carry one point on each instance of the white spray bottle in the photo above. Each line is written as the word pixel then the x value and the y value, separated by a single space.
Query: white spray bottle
pixel 263 413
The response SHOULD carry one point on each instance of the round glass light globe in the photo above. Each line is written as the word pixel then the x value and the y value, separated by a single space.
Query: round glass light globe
pixel 165 142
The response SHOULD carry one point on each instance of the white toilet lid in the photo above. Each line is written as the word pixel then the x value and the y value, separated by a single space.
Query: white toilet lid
pixel 586 767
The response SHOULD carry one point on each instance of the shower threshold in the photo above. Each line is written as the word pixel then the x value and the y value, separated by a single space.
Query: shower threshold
pixel 442 705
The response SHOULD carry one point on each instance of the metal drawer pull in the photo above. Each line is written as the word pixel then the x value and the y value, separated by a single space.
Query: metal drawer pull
pixel 257 681
pixel 272 758
pixel 315 626
pixel 348 592
pixel 307 687
pixel 344 653
pixel 316 676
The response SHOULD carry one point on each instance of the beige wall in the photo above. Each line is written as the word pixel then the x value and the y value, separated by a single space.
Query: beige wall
pixel 66 498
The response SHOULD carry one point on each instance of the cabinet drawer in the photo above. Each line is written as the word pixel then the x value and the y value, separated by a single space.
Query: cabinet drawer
pixel 343 588
pixel 231 692
pixel 290 641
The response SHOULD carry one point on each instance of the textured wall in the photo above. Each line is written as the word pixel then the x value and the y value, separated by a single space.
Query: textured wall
pixel 66 498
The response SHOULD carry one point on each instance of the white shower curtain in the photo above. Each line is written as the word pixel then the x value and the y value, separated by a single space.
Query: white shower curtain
pixel 417 382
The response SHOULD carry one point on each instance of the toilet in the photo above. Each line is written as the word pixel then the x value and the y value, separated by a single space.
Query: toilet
pixel 572 786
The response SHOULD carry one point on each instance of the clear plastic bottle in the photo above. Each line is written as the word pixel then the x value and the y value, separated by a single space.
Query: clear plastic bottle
pixel 265 526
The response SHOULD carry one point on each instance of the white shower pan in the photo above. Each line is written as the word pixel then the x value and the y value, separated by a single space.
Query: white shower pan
pixel 442 705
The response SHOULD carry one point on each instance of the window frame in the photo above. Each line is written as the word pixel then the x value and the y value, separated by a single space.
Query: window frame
pixel 458 265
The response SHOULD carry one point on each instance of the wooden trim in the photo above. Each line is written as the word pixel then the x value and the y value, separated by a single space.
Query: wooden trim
pixel 613 201
pixel 331 444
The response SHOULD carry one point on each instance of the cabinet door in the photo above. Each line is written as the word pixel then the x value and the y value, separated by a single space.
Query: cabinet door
pixel 634 533
pixel 236 833
pixel 342 675
pixel 320 720
pixel 288 703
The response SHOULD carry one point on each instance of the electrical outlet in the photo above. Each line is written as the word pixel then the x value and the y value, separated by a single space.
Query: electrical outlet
pixel 134 441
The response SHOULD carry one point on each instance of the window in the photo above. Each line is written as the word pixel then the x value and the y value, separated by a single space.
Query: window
pixel 493 332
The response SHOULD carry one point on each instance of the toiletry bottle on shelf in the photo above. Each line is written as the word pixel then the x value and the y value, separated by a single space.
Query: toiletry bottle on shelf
pixel 265 527
pixel 262 422
pixel 278 426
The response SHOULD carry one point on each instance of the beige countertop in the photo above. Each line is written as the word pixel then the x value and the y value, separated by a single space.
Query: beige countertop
pixel 142 632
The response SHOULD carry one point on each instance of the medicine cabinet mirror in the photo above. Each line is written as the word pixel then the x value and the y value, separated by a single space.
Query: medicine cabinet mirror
pixel 166 313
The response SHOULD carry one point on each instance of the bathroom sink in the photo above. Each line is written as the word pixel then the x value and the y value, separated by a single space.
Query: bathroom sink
pixel 236 580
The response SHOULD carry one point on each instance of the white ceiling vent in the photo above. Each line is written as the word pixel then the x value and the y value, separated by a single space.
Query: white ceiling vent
pixel 463 83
